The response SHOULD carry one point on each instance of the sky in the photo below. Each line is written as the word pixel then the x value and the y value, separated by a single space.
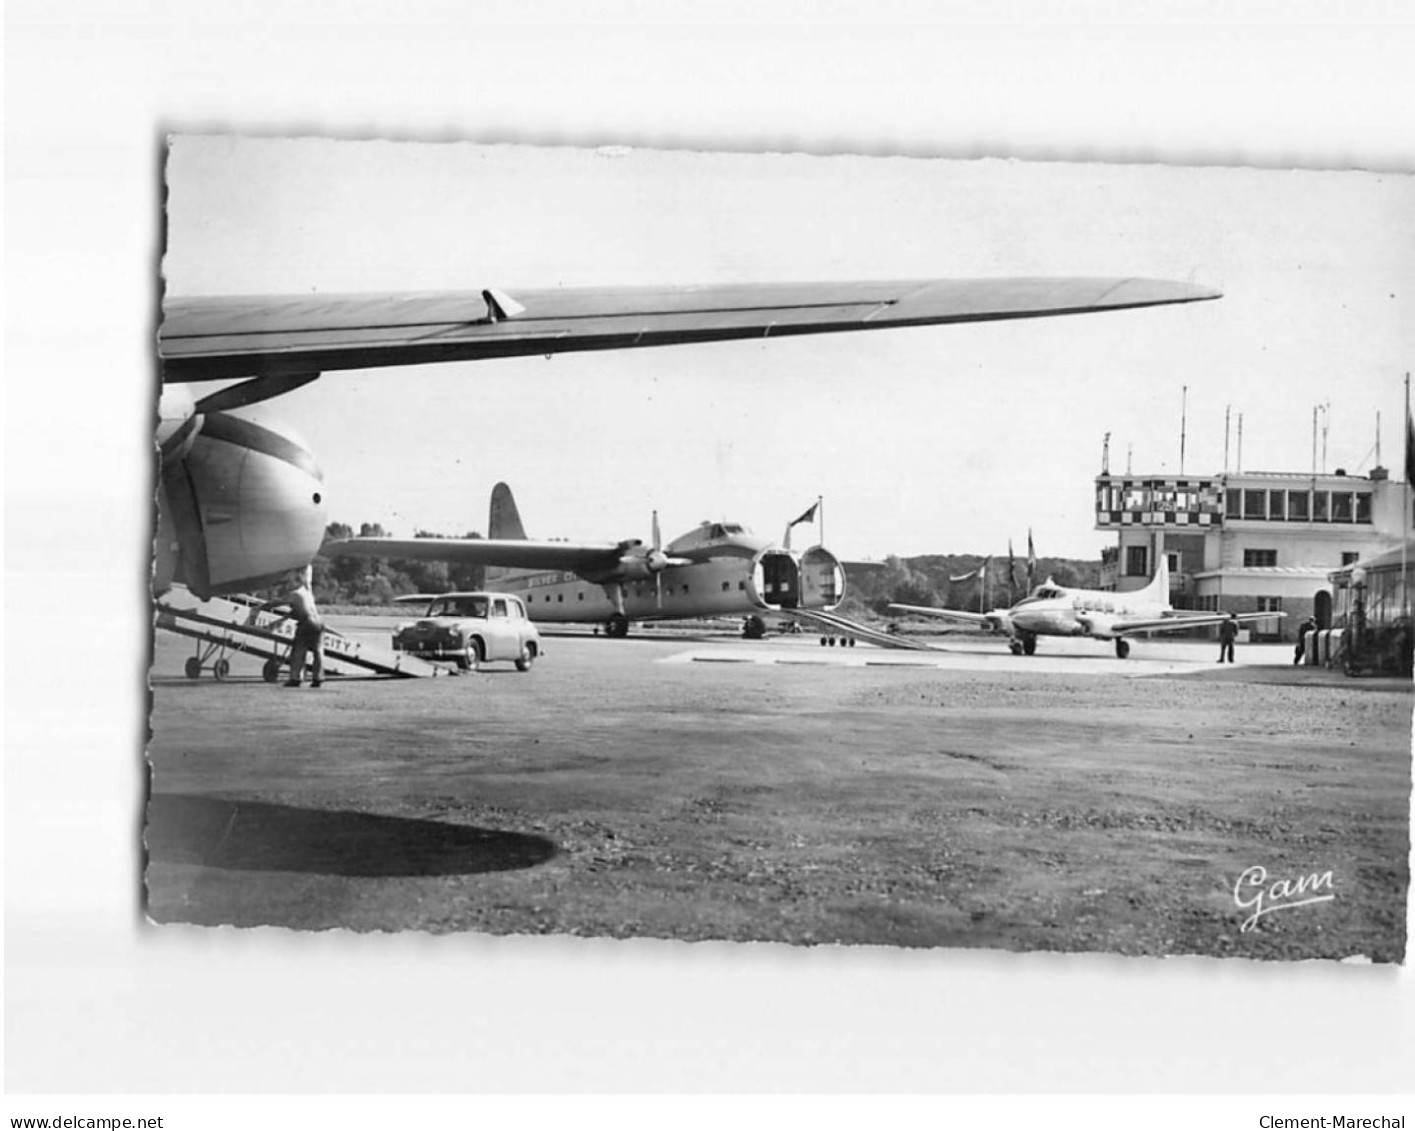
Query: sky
pixel 949 439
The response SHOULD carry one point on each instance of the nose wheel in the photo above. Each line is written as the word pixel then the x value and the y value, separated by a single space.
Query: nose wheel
pixel 1122 648
pixel 1024 644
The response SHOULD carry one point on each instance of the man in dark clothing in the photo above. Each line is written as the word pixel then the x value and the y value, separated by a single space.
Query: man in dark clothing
pixel 1227 634
pixel 1302 629
pixel 309 628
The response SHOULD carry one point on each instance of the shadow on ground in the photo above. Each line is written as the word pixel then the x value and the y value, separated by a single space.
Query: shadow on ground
pixel 256 836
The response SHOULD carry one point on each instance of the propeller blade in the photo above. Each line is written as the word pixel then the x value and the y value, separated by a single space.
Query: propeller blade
pixel 657 553
pixel 255 390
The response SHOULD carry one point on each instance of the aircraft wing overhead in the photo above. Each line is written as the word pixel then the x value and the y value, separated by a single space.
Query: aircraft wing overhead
pixel 571 556
pixel 216 338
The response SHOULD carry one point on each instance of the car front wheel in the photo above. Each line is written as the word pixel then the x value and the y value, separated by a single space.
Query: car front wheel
pixel 472 657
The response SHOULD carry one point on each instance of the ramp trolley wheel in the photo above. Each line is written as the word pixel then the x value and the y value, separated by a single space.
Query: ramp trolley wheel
pixel 193 667
pixel 222 668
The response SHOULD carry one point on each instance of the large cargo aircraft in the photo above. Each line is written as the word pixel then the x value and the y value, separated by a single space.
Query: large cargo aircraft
pixel 717 569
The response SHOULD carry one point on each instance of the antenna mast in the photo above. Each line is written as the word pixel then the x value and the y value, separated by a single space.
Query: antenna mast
pixel 1183 425
pixel 1326 427
pixel 1315 409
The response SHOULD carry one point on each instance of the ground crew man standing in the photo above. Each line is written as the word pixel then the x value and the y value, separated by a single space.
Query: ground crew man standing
pixel 309 628
pixel 1227 634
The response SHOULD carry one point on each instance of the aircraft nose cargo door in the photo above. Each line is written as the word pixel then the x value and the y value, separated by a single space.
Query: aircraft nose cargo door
pixel 778 579
pixel 822 579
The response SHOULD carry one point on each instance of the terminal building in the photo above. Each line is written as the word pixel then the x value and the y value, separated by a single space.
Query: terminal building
pixel 1249 541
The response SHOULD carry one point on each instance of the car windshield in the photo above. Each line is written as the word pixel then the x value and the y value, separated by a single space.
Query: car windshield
pixel 460 607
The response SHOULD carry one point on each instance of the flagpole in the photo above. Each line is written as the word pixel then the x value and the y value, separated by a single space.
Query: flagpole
pixel 1405 506
pixel 820 515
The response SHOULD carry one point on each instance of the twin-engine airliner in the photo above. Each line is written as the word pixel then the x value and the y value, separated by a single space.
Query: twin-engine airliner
pixel 241 502
pixel 1056 610
pixel 718 569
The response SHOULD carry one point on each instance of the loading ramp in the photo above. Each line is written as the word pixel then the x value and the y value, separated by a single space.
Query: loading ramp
pixel 225 626
pixel 835 627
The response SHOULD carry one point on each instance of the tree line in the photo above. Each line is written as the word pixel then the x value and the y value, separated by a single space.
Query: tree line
pixel 973 582
pixel 346 580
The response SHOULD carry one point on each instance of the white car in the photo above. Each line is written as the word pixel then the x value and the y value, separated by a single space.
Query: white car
pixel 469 628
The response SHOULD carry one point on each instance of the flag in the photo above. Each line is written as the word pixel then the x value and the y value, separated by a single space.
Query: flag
pixel 809 516
pixel 1409 443
pixel 1011 569
pixel 1031 559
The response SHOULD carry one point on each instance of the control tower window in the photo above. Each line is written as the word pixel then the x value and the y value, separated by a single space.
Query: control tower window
pixel 1137 561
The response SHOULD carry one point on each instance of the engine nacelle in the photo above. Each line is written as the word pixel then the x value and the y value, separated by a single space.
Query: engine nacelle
pixel 643 565
pixel 242 506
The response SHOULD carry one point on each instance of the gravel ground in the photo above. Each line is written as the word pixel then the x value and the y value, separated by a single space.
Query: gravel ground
pixel 609 793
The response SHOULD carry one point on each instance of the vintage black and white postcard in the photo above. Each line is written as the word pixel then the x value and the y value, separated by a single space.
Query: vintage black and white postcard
pixel 1066 609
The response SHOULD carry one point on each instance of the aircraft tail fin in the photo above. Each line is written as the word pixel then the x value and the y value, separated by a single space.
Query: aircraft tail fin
pixel 1159 584
pixel 504 521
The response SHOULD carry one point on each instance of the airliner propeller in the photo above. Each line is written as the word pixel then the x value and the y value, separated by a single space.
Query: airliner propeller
pixel 658 561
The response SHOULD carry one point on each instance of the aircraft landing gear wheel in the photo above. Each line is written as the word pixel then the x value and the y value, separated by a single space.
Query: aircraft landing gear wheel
pixel 617 626
pixel 1029 646
pixel 1015 647
pixel 753 628
pixel 270 671
pixel 822 641
pixel 221 669
pixel 193 668
pixel 1122 648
